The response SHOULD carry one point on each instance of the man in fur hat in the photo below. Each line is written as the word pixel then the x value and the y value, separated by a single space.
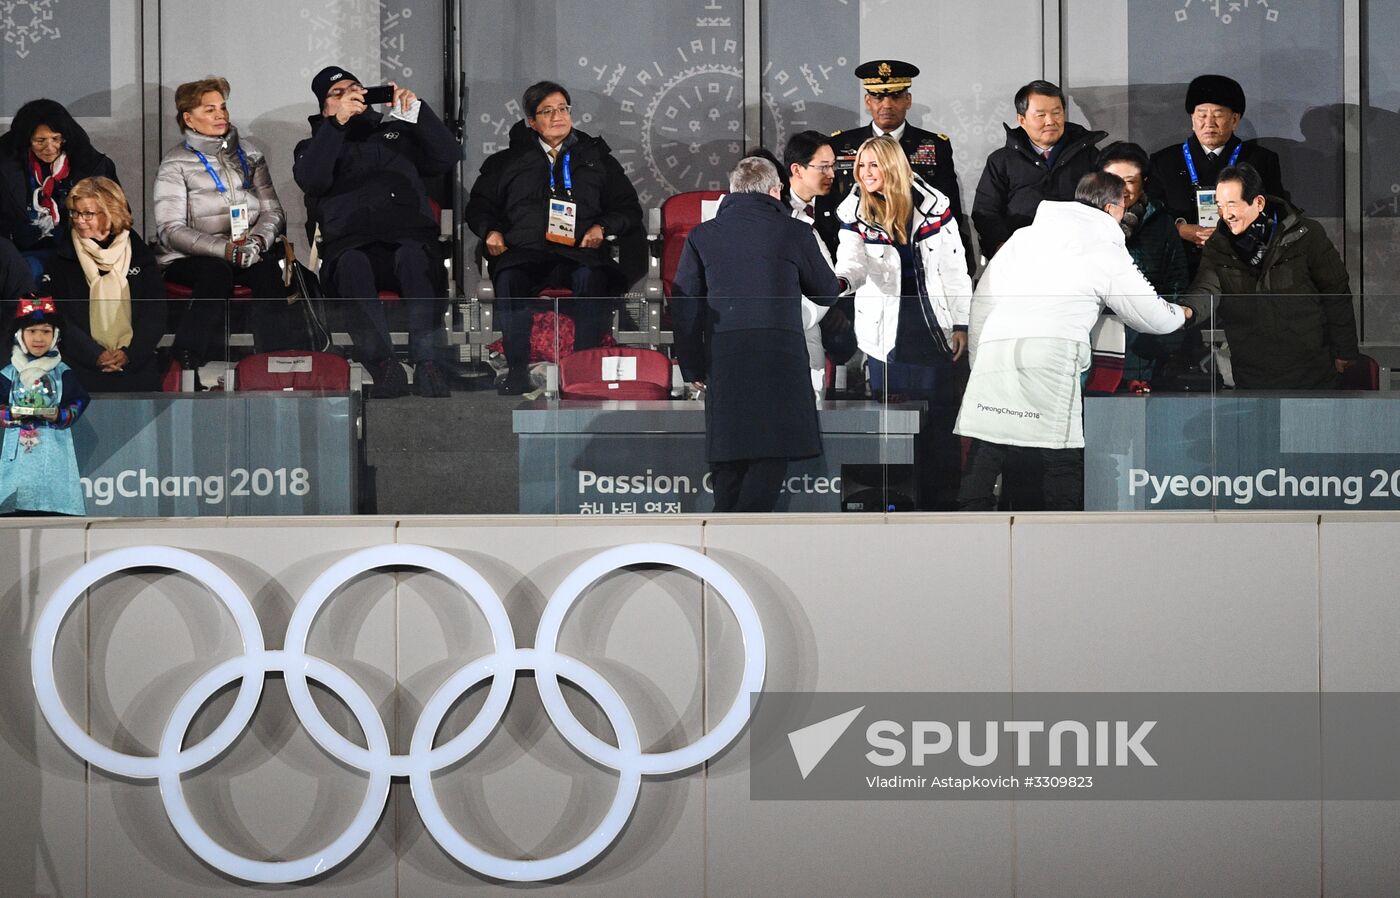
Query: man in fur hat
pixel 1182 171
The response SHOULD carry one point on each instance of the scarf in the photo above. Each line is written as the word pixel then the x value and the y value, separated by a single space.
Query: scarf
pixel 28 367
pixel 1252 245
pixel 44 185
pixel 105 270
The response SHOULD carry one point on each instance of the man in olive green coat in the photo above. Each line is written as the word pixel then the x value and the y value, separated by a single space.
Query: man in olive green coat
pixel 1279 290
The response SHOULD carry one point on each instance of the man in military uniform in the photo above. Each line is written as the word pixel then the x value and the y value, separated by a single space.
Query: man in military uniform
pixel 888 100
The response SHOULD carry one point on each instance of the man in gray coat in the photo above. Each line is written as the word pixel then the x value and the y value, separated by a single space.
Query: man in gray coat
pixel 737 308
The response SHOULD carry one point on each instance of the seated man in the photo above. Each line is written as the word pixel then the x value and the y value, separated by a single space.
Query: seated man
pixel 362 175
pixel 1287 314
pixel 1216 105
pixel 1043 159
pixel 544 207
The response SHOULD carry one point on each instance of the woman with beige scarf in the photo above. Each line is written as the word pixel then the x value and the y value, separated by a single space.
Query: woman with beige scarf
pixel 110 292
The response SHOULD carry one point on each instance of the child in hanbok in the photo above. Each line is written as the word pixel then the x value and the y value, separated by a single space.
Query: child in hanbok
pixel 40 401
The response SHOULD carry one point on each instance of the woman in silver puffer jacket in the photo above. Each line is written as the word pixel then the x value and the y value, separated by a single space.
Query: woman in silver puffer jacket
pixel 218 222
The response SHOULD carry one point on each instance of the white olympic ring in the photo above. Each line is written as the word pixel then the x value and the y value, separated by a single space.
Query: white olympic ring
pixel 172 760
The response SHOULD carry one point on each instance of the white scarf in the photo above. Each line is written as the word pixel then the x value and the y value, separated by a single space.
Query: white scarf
pixel 29 368
pixel 108 288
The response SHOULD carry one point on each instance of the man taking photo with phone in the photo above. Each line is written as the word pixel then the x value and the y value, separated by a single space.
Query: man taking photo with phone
pixel 362 172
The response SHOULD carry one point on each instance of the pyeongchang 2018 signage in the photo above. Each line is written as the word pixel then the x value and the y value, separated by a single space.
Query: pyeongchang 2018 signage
pixel 174 758
pixel 1242 451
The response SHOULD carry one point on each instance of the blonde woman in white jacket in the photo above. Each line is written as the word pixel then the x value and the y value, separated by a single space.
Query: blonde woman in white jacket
pixel 899 247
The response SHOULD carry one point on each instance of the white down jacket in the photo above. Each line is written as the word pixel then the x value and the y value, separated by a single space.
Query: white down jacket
pixel 1053 278
pixel 868 259
pixel 192 216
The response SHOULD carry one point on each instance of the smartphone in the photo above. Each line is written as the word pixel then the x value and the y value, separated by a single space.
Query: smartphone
pixel 375 96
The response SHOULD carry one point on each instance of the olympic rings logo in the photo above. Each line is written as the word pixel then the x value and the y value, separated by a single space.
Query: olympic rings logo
pixel 172 759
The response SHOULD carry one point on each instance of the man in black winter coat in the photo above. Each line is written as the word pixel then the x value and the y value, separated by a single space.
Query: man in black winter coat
pixel 737 308
pixel 1216 105
pixel 544 208
pixel 362 176
pixel 1273 280
pixel 1043 159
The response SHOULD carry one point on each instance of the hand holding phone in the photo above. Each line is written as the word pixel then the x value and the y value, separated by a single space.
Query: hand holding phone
pixel 376 96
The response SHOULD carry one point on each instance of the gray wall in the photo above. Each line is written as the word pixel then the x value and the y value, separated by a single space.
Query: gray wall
pixel 1267 603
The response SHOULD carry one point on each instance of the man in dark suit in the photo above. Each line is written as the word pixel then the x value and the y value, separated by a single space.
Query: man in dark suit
pixel 737 307
pixel 1216 105
pixel 888 100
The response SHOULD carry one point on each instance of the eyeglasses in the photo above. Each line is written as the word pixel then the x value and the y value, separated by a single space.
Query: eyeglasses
pixel 550 111
pixel 825 168
pixel 80 215
pixel 56 140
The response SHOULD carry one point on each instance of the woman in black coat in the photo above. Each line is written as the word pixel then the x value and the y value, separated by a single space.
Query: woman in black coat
pixel 42 156
pixel 110 292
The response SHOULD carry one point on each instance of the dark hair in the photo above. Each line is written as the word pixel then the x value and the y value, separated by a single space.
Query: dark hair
pixel 801 147
pixel 76 143
pixel 1043 88
pixel 535 94
pixel 1244 174
pixel 1125 151
pixel 1099 188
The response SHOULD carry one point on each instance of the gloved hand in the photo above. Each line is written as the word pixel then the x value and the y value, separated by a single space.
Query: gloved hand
pixel 43 220
pixel 245 255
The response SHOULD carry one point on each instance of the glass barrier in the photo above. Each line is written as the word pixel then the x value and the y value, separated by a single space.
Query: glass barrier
pixel 263 407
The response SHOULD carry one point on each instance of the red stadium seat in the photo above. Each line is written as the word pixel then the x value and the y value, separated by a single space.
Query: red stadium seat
pixel 581 375
pixel 1364 375
pixel 180 291
pixel 679 214
pixel 293 369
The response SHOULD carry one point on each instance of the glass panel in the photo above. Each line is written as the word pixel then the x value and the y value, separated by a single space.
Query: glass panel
pixel 1380 199
pixel 1295 432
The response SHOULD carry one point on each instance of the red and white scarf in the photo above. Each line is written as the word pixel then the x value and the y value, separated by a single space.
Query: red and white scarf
pixel 43 194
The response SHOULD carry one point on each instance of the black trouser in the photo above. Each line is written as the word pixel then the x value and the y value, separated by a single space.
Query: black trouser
pixel 406 268
pixel 937 450
pixel 517 297
pixel 749 485
pixel 204 326
pixel 1062 485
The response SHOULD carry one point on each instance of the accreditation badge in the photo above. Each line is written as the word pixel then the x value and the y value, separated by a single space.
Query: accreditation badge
pixel 1207 210
pixel 237 220
pixel 563 222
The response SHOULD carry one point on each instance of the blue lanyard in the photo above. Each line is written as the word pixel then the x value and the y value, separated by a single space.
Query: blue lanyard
pixel 218 181
pixel 568 176
pixel 1191 163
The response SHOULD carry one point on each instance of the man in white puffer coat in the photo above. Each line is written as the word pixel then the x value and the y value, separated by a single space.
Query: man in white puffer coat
pixel 1029 339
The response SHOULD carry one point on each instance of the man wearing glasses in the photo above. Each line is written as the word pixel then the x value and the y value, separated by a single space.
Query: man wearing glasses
pixel 545 208
pixel 362 172
pixel 887 84
pixel 811 165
